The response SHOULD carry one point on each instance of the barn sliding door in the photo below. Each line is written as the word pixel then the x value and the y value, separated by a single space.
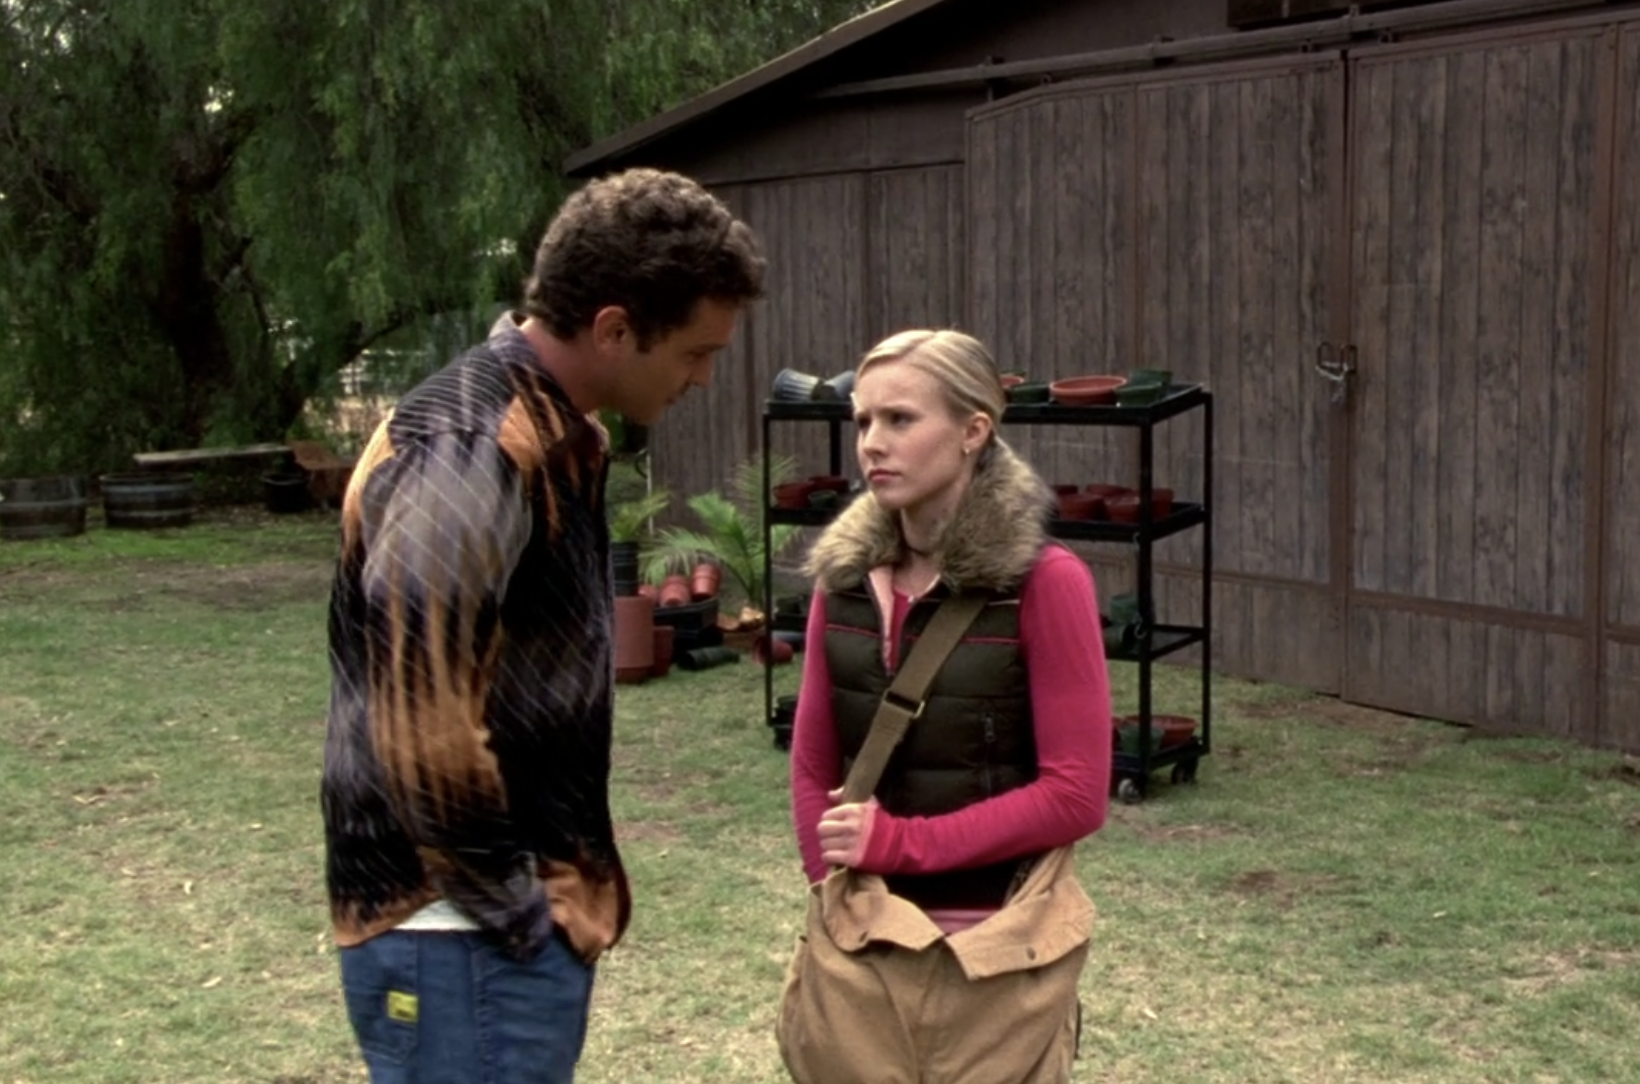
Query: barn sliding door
pixel 1240 195
pixel 1187 223
pixel 1475 259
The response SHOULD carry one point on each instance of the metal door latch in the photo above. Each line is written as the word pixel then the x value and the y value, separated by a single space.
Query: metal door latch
pixel 1336 363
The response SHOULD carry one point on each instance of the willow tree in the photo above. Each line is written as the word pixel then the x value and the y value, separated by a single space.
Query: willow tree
pixel 208 207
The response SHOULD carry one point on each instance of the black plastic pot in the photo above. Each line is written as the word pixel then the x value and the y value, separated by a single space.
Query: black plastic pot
pixel 42 507
pixel 285 492
pixel 785 714
pixel 704 658
pixel 691 618
pixel 690 639
pixel 624 557
pixel 791 613
pixel 839 387
pixel 791 386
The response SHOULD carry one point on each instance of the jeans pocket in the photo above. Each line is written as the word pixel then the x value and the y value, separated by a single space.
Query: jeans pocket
pixel 383 1002
pixel 532 1015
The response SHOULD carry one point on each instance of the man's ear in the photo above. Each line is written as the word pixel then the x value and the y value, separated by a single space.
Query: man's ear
pixel 612 330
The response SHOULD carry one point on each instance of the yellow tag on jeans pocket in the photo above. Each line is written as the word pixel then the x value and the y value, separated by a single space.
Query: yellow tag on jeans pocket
pixel 401 1006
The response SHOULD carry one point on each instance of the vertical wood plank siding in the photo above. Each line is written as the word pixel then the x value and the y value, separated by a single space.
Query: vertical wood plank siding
pixel 1474 178
pixel 1474 207
pixel 1469 554
pixel 1182 225
pixel 1051 206
pixel 1623 469
pixel 1620 677
pixel 851 257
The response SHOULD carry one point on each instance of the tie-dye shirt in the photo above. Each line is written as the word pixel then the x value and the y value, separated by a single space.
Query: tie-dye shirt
pixel 471 701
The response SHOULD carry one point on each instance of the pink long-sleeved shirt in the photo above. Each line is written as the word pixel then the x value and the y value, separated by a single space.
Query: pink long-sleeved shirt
pixel 1064 655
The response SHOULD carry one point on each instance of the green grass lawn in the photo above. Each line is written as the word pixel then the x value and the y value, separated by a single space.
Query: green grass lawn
pixel 1342 896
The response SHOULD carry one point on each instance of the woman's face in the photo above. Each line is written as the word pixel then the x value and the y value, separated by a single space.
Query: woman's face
pixel 910 447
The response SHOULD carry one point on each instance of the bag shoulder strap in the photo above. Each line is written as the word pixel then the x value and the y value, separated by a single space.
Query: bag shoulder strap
pixel 903 702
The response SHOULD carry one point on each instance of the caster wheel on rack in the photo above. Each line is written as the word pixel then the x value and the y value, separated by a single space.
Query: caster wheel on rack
pixel 1128 792
pixel 1184 771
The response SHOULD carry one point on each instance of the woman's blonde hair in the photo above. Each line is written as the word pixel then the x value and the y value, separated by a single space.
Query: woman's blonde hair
pixel 966 373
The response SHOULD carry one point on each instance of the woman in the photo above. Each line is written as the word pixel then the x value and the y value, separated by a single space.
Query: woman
pixel 921 973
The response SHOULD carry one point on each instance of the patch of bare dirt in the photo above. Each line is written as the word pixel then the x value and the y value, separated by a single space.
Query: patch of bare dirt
pixel 1279 709
pixel 1282 889
pixel 649 833
pixel 135 586
pixel 1626 772
pixel 1335 712
pixel 1392 757
pixel 1134 818
pixel 260 586
pixel 26 576
pixel 1255 882
pixel 1559 969
pixel 1403 740
pixel 1525 756
pixel 108 793
pixel 23 725
pixel 651 784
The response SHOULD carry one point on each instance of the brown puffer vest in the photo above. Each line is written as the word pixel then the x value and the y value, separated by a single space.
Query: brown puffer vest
pixel 975 737
pixel 973 741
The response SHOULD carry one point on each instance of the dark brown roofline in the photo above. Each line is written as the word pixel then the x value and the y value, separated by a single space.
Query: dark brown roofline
pixel 588 160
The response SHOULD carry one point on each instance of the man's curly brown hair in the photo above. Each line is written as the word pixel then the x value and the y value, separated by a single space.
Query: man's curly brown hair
pixel 652 242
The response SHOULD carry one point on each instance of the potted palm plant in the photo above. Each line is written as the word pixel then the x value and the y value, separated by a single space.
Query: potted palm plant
pixel 629 531
pixel 730 536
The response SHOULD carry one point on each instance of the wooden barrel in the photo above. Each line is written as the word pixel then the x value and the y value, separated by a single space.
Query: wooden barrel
pixel 144 501
pixel 42 507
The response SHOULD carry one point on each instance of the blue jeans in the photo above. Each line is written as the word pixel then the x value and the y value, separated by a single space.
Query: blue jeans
pixel 434 1007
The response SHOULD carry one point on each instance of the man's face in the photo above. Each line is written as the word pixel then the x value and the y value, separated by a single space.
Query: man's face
pixel 643 383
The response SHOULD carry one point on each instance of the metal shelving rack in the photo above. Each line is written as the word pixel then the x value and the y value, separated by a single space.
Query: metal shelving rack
pixel 1153 641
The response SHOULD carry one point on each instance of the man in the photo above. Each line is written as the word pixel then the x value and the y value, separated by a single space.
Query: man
pixel 471 861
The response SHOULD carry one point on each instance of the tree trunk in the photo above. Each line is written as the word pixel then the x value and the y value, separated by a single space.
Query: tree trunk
pixel 185 306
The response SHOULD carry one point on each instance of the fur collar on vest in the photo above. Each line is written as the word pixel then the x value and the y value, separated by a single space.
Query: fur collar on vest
pixel 991 542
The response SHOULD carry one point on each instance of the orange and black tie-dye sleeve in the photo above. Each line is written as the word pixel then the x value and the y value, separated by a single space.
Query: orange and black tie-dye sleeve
pixel 445 521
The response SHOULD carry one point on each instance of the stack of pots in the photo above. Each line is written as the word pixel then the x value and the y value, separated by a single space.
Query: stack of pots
pixel 654 626
pixel 624 559
pixel 634 638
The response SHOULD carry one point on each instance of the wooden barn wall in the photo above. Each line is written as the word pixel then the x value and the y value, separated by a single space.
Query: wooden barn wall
pixel 1474 268
pixel 828 138
pixel 699 441
pixel 1474 215
pixel 1238 212
pixel 1507 678
pixel 850 258
pixel 1621 691
pixel 916 261
pixel 1052 213
pixel 1051 206
pixel 1620 588
pixel 1150 212
pixel 1452 542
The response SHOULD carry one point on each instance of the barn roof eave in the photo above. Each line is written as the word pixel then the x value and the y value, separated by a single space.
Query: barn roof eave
pixel 591 160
